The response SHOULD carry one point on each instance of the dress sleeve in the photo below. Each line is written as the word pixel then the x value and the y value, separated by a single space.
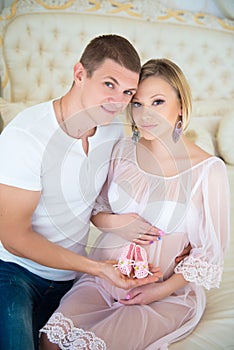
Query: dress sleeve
pixel 209 235
pixel 102 202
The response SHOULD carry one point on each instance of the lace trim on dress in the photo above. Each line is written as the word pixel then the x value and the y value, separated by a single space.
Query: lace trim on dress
pixel 100 208
pixel 200 272
pixel 61 331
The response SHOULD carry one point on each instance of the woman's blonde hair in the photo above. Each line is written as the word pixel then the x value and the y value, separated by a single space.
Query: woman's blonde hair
pixel 170 72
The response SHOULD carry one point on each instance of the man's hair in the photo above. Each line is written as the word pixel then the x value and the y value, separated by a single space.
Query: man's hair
pixel 113 47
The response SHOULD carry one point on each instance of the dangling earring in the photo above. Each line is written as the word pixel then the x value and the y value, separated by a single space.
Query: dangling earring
pixel 135 133
pixel 177 131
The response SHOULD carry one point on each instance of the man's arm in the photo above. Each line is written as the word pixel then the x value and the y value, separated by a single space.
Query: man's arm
pixel 183 254
pixel 17 236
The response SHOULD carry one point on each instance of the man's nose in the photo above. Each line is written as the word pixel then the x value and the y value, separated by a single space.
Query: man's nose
pixel 116 97
pixel 118 101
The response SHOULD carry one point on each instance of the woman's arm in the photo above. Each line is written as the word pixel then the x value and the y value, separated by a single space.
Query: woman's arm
pixel 130 226
pixel 155 291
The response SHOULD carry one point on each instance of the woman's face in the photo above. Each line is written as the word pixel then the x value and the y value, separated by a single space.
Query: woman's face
pixel 155 107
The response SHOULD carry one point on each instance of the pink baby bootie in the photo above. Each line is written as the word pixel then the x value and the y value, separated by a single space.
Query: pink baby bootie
pixel 141 266
pixel 125 261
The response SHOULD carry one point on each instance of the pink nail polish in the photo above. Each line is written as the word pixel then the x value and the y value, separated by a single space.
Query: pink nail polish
pixel 127 297
pixel 161 233
pixel 151 242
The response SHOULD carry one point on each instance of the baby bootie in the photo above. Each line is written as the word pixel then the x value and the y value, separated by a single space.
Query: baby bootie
pixel 141 266
pixel 125 261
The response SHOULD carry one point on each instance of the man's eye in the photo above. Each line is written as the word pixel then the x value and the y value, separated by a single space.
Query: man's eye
pixel 136 104
pixel 158 102
pixel 109 84
pixel 128 92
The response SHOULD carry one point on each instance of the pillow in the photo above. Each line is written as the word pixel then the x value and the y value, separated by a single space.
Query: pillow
pixel 9 110
pixel 225 139
pixel 209 124
pixel 201 138
pixel 215 107
pixel 202 131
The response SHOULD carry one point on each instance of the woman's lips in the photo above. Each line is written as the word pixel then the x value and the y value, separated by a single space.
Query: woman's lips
pixel 148 126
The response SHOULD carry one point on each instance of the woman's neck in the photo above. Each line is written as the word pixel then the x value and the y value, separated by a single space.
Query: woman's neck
pixel 163 157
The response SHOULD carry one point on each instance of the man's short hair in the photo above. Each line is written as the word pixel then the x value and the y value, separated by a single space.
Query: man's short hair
pixel 113 47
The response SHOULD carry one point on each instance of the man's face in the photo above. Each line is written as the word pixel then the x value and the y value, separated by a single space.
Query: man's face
pixel 108 91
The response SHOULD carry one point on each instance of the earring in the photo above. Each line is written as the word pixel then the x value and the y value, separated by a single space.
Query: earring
pixel 177 131
pixel 135 134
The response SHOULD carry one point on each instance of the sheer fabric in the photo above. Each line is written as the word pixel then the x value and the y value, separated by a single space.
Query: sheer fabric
pixel 188 209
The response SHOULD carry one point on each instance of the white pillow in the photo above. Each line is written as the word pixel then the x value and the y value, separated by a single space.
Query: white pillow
pixel 215 107
pixel 9 110
pixel 203 139
pixel 225 139
pixel 209 124
pixel 202 131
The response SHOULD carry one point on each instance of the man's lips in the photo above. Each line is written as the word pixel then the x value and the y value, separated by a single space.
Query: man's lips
pixel 112 108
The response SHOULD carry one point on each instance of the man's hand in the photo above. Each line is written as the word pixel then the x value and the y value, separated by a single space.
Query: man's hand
pixel 183 254
pixel 116 278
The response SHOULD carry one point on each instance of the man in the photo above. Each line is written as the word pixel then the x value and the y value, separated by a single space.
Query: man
pixel 53 167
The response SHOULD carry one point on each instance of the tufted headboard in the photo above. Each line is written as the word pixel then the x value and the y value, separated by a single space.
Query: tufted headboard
pixel 41 40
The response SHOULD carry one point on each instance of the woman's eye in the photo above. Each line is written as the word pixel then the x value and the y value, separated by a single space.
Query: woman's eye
pixel 158 102
pixel 109 84
pixel 136 104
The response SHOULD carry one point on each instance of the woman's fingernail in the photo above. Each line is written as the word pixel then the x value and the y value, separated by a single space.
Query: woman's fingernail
pixel 159 238
pixel 161 233
pixel 151 242
pixel 127 297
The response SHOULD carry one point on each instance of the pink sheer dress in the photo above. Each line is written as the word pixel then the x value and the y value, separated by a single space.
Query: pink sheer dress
pixel 192 206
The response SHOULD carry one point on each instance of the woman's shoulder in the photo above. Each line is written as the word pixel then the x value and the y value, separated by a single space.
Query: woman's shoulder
pixel 205 164
pixel 123 149
pixel 199 156
pixel 124 144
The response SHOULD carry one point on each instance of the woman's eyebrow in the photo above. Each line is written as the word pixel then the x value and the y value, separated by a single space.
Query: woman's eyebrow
pixel 156 95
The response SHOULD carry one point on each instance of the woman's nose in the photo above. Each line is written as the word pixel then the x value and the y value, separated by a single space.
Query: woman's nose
pixel 146 114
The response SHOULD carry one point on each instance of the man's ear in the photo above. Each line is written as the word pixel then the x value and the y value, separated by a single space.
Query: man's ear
pixel 79 73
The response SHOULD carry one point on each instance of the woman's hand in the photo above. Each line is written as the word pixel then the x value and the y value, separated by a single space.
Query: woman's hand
pixel 138 230
pixel 142 295
pixel 149 293
pixel 131 227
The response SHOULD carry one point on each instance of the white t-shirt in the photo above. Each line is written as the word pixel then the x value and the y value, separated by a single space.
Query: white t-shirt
pixel 36 155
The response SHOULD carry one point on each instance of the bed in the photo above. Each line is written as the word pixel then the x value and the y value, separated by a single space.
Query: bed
pixel 41 40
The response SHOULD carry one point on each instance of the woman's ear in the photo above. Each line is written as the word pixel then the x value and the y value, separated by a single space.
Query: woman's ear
pixel 79 72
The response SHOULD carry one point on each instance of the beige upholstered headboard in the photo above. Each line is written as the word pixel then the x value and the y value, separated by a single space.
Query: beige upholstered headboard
pixel 40 41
